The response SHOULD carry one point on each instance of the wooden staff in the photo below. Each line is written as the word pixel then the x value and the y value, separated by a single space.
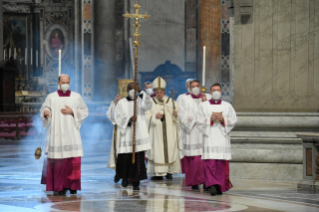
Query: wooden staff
pixel 136 43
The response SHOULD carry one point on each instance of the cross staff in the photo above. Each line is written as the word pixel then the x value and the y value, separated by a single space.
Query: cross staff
pixel 136 43
pixel 173 94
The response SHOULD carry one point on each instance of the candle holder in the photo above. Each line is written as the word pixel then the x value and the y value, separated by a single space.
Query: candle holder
pixel 203 89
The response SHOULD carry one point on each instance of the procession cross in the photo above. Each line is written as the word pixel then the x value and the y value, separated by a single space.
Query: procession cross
pixel 136 43
pixel 173 97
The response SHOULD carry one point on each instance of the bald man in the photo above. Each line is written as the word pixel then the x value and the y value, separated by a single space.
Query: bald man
pixel 62 114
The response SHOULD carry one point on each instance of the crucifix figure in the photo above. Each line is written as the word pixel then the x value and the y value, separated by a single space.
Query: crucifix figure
pixel 136 43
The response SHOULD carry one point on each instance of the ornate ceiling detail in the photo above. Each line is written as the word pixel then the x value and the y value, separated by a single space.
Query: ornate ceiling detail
pixel 16 8
pixel 56 3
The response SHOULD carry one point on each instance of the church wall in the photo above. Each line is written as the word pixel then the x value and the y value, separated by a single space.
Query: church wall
pixel 276 57
pixel 163 35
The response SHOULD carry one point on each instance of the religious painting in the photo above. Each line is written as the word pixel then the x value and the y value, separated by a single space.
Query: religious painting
pixel 56 42
pixel 15 35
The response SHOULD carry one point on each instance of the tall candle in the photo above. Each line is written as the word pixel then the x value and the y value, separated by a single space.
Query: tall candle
pixel 204 65
pixel 60 62
pixel 36 58
pixel 26 56
pixel 31 56
pixel 15 53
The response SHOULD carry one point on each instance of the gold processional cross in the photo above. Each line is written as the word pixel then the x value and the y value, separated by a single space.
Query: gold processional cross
pixel 136 43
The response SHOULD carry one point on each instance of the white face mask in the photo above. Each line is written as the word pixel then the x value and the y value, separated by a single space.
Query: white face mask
pixel 131 93
pixel 196 91
pixel 149 91
pixel 216 95
pixel 65 87
pixel 189 90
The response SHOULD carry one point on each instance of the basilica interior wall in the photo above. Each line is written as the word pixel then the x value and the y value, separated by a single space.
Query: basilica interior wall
pixel 276 57
pixel 163 35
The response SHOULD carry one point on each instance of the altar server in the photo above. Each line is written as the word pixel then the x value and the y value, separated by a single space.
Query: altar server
pixel 215 119
pixel 124 118
pixel 62 114
pixel 191 135
pixel 111 163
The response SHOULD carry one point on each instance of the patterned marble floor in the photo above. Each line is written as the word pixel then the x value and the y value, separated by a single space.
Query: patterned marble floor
pixel 20 189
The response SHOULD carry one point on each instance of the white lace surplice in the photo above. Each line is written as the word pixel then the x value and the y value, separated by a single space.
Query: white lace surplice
pixel 123 112
pixel 216 138
pixel 63 131
pixel 191 135
pixel 111 163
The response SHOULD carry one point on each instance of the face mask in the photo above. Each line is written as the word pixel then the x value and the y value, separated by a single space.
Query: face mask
pixel 189 90
pixel 216 95
pixel 131 93
pixel 65 87
pixel 196 91
pixel 149 91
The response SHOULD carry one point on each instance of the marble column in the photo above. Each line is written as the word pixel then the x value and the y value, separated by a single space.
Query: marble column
pixel 210 36
pixel 191 30
pixel 87 49
pixel 1 34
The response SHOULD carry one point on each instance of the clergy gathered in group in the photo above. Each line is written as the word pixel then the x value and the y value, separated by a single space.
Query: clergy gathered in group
pixel 190 135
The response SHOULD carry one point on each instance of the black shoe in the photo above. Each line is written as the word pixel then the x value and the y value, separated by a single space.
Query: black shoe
pixel 218 191
pixel 157 178
pixel 212 191
pixel 63 192
pixel 124 183
pixel 73 191
pixel 169 176
pixel 136 188
pixel 195 187
pixel 116 179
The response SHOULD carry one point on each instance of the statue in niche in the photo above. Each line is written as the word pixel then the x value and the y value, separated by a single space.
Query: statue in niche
pixel 57 42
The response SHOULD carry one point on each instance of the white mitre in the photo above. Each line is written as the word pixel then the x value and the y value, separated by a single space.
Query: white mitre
pixel 159 84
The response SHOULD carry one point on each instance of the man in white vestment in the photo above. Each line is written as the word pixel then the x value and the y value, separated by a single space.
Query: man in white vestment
pixel 187 86
pixel 111 163
pixel 163 157
pixel 191 135
pixel 215 119
pixel 62 114
pixel 148 88
pixel 179 99
pixel 125 118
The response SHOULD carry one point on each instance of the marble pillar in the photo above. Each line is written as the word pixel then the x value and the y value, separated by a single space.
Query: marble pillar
pixel 87 49
pixel 276 57
pixel 210 36
pixel 1 34
pixel 105 49
pixel 191 30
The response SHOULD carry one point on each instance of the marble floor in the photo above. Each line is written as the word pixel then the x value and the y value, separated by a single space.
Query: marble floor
pixel 20 188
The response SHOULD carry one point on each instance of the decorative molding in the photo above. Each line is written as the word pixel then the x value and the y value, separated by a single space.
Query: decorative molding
pixel 16 8
pixel 36 8
pixel 55 3
pixel 56 16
